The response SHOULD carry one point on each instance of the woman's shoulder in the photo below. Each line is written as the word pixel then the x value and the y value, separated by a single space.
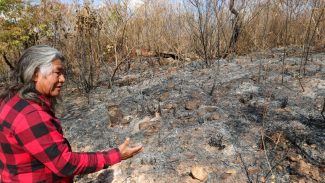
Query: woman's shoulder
pixel 25 106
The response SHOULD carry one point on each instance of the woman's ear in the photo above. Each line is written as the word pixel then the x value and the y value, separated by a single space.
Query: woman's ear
pixel 36 74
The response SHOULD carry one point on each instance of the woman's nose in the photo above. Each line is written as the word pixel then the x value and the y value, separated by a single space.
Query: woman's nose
pixel 61 78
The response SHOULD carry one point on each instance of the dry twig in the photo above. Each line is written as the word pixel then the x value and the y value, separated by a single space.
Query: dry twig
pixel 245 168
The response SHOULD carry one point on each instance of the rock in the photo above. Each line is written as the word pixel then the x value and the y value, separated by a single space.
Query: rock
pixel 228 174
pixel 199 173
pixel 279 168
pixel 192 104
pixel 314 146
pixel 172 70
pixel 216 142
pixel 304 168
pixel 128 118
pixel 188 59
pixel 225 176
pixel 315 174
pixel 214 116
pixel 201 113
pixel 189 155
pixel 145 125
pixel 170 106
pixel 253 170
pixel 157 118
pixel 200 72
pixel 167 61
pixel 307 169
pixel 170 84
pixel 183 167
pixel 296 179
pixel 127 80
pixel 210 108
pixel 293 156
pixel 204 110
pixel 319 102
pixel 247 87
pixel 164 96
pixel 149 126
pixel 86 148
pixel 231 171
pixel 115 116
pixel 144 120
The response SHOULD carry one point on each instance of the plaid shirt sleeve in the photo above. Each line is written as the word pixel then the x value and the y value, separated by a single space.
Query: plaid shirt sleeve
pixel 40 134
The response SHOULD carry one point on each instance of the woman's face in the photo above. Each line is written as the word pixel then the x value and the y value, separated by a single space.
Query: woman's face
pixel 50 85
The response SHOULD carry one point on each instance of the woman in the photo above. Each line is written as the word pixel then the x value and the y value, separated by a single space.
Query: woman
pixel 33 148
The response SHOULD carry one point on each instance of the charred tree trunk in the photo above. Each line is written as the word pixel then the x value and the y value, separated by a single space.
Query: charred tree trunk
pixel 235 31
pixel 322 113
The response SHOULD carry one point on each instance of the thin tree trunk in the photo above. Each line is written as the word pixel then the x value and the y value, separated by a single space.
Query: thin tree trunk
pixel 285 43
pixel 322 113
pixel 236 29
pixel 319 18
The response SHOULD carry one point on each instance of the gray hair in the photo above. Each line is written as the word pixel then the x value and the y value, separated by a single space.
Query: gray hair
pixel 35 58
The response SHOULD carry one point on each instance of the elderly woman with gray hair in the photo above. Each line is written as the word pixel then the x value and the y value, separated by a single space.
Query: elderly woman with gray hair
pixel 32 145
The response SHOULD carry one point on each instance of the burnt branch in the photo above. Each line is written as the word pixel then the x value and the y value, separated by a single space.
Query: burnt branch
pixel 232 9
pixel 117 67
pixel 322 113
pixel 7 61
pixel 245 168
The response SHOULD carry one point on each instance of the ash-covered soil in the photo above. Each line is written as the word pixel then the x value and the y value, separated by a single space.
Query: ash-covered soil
pixel 238 123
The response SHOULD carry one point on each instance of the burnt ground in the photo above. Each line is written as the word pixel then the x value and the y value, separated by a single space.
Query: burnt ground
pixel 238 124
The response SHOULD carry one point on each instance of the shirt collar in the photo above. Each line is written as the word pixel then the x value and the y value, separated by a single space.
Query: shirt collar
pixel 45 100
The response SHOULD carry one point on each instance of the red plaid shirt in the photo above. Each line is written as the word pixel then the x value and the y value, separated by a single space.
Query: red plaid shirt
pixel 33 148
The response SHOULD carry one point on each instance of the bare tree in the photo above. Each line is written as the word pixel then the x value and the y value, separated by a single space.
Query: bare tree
pixel 310 34
pixel 202 28
pixel 88 26
pixel 220 29
pixel 285 41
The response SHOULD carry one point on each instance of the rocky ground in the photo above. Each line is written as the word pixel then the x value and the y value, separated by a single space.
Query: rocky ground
pixel 235 123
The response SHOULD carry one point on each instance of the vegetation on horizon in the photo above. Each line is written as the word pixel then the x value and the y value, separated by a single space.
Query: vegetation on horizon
pixel 92 36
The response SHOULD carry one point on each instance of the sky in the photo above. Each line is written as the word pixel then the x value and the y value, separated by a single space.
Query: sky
pixel 133 3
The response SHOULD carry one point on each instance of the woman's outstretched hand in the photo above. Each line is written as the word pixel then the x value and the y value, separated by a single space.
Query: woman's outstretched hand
pixel 126 151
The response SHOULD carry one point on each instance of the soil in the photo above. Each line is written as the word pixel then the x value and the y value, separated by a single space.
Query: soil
pixel 248 120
